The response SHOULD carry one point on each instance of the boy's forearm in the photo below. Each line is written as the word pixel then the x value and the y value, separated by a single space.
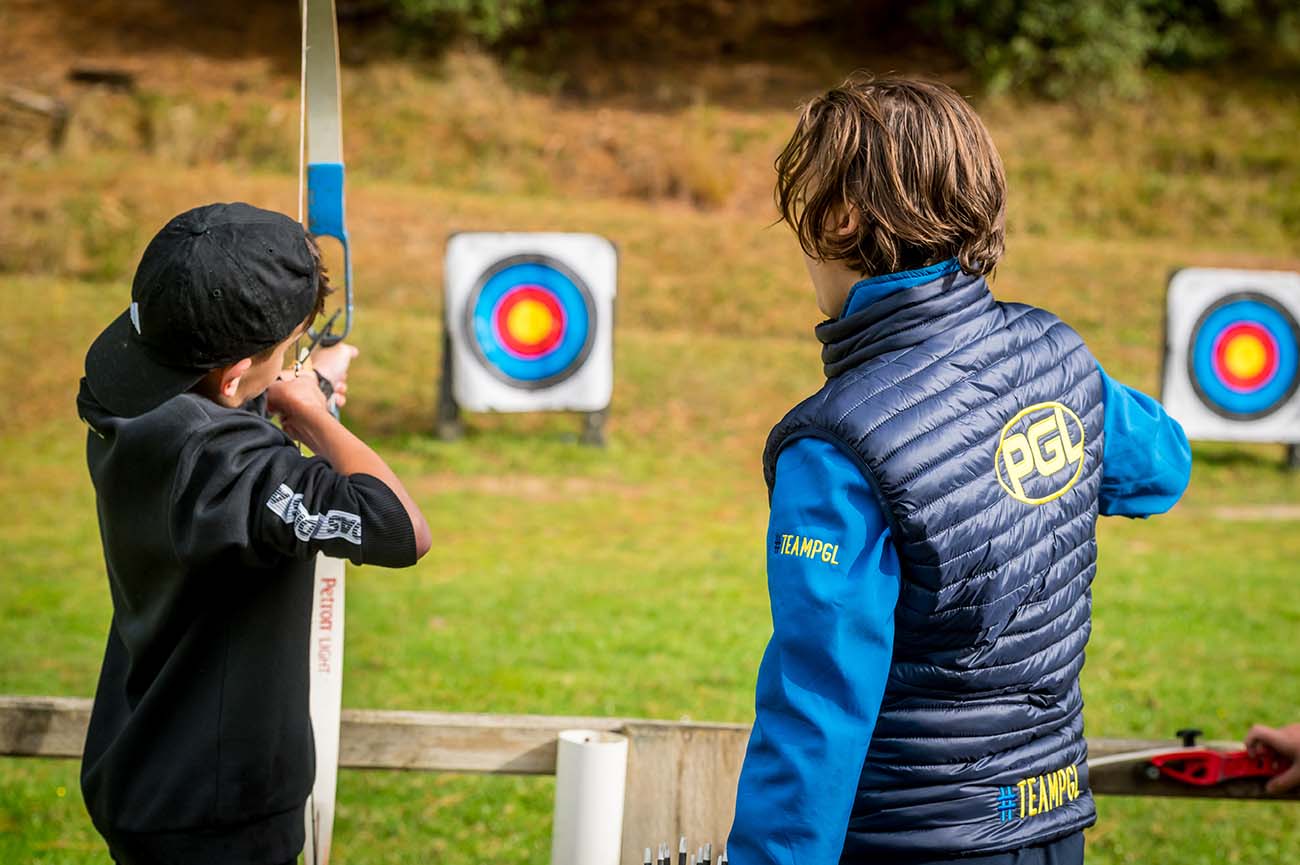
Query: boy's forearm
pixel 349 455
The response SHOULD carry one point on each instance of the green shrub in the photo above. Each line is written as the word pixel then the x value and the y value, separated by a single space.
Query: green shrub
pixel 489 21
pixel 1100 47
pixel 1056 48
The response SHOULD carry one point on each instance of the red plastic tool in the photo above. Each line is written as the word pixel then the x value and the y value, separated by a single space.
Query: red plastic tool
pixel 1205 768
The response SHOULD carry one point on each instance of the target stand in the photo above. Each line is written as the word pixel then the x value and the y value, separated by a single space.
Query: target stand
pixel 528 327
pixel 1232 356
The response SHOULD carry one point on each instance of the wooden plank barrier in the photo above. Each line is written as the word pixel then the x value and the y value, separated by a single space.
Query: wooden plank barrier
pixel 681 776
pixel 681 780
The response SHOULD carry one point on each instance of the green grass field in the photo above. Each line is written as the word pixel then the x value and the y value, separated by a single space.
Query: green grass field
pixel 629 581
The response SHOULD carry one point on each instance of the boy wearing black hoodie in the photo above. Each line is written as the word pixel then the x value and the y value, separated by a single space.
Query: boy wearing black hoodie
pixel 199 748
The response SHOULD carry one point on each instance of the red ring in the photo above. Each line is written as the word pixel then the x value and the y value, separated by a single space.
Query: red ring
pixel 1250 383
pixel 513 298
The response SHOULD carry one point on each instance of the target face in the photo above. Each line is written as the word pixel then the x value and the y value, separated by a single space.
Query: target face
pixel 530 319
pixel 1244 356
pixel 1233 354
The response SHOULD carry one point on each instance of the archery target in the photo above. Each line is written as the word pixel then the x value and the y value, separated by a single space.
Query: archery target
pixel 530 319
pixel 1233 354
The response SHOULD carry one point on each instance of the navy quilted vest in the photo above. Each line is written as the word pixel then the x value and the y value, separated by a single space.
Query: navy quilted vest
pixel 979 426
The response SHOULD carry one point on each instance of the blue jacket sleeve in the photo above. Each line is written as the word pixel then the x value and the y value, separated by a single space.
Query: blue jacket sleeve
pixel 833 579
pixel 1146 463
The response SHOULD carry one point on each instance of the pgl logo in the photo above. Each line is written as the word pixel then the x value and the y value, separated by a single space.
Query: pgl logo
pixel 1040 453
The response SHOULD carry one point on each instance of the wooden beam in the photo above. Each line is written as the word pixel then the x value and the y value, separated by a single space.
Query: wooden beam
pixel 446 742
pixel 43 726
pixel 681 780
pixel 435 741
pixel 55 110
pixel 681 776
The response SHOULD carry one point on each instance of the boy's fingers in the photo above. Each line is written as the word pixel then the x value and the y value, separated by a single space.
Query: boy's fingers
pixel 1261 735
pixel 1287 781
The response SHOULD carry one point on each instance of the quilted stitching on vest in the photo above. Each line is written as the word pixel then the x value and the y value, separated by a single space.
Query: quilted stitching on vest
pixel 979 745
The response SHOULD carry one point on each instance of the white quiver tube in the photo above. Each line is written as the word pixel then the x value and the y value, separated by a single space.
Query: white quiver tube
pixel 590 776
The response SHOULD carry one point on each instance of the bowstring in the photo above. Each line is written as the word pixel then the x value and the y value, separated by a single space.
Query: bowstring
pixel 302 109
pixel 302 143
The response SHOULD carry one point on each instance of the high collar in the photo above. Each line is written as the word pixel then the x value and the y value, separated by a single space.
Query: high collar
pixel 899 310
pixel 867 291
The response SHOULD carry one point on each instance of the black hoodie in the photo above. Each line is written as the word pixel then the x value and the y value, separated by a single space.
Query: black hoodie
pixel 199 748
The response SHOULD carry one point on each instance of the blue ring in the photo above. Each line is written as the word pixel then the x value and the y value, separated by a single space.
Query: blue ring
pixel 1245 309
pixel 554 365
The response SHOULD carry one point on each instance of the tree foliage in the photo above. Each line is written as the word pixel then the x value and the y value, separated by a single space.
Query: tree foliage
pixel 489 21
pixel 1058 48
pixel 1090 46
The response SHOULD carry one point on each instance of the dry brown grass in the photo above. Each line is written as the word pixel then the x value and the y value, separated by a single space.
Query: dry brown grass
pixel 1102 204
pixel 1199 157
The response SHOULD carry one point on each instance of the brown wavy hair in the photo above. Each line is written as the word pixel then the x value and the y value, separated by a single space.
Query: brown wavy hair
pixel 911 160
pixel 323 286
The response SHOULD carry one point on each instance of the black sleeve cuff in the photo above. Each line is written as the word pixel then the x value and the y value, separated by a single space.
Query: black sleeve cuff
pixel 387 536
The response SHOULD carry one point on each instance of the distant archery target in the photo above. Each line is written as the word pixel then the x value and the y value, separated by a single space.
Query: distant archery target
pixel 1244 356
pixel 1233 354
pixel 530 320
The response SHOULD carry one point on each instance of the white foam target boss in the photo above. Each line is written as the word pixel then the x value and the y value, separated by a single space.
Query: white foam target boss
pixel 1232 354
pixel 530 320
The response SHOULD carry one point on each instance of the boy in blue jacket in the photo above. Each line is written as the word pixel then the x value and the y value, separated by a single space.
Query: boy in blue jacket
pixel 932 539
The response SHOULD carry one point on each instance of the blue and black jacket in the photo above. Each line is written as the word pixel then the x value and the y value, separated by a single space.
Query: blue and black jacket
pixel 931 549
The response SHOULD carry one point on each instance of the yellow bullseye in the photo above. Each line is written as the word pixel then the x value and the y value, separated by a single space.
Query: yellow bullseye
pixel 1245 356
pixel 530 322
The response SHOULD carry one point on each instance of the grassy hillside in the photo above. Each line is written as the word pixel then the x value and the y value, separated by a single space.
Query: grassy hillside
pixel 629 581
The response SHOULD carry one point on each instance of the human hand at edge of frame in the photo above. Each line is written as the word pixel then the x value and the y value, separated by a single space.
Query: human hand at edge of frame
pixel 1284 742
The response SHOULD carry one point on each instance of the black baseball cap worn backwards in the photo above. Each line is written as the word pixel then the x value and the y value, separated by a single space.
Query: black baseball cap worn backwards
pixel 217 284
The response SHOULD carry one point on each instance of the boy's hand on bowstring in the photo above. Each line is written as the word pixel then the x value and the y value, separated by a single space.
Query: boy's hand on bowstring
pixel 299 403
pixel 1285 743
pixel 333 363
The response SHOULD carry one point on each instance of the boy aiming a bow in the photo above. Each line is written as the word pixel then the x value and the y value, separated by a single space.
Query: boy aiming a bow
pixel 200 746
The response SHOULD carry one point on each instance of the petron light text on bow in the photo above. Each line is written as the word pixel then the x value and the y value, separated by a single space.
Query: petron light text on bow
pixel 325 626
